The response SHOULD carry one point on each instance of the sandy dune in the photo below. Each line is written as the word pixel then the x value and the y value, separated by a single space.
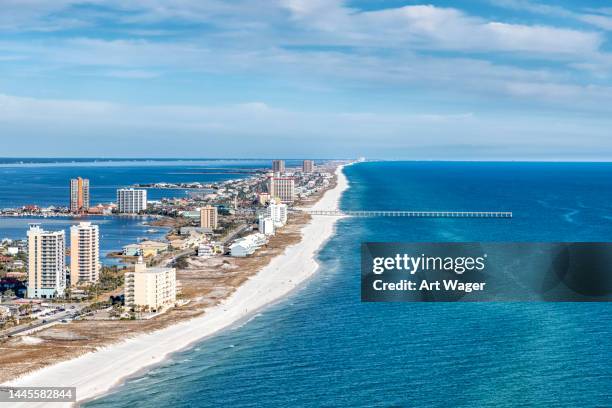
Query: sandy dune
pixel 96 373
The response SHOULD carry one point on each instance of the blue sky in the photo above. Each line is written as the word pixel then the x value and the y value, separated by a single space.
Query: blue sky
pixel 479 79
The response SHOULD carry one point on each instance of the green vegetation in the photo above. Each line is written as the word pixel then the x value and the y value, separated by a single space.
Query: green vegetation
pixel 116 311
pixel 181 262
pixel 96 306
pixel 6 266
pixel 111 278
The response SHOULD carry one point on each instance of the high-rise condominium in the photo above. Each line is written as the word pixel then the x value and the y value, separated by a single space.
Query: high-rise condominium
pixel 282 187
pixel 308 166
pixel 46 263
pixel 278 214
pixel 278 166
pixel 84 253
pixel 79 195
pixel 209 217
pixel 131 201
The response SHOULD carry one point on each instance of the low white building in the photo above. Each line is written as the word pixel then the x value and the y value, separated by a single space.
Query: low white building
pixel 192 241
pixel 191 230
pixel 205 251
pixel 248 245
pixel 5 312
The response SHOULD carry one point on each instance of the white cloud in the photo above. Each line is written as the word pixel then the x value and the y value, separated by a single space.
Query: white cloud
pixel 321 44
pixel 513 37
pixel 132 74
pixel 327 22
pixel 597 17
pixel 145 59
pixel 54 126
pixel 430 27
pixel 533 7
pixel 36 15
pixel 603 22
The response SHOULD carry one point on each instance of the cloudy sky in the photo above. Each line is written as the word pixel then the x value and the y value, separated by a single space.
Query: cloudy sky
pixel 478 79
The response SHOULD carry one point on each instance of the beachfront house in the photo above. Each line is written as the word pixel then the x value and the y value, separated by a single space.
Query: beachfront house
pixel 131 250
pixel 145 248
pixel 247 245
pixel 205 251
pixel 192 241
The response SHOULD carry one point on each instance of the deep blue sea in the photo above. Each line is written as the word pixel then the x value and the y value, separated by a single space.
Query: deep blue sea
pixel 322 347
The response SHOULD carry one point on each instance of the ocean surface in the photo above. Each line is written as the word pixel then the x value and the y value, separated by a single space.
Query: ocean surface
pixel 322 347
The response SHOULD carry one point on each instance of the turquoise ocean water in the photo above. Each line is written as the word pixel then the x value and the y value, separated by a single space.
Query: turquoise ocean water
pixel 322 347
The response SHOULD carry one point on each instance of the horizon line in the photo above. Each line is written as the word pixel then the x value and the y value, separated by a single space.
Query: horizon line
pixel 492 160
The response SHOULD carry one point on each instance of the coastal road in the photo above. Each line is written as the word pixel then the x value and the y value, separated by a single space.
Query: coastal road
pixel 41 324
pixel 168 260
pixel 238 230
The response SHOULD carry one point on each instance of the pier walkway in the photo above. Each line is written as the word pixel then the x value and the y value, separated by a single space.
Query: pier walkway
pixel 424 214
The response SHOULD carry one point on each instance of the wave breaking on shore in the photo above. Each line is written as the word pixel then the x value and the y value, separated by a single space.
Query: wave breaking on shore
pixel 96 373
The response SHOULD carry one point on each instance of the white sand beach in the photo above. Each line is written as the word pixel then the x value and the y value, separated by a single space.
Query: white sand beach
pixel 96 373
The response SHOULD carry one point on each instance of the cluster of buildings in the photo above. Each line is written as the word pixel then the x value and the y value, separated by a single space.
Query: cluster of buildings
pixel 10 259
pixel 288 185
pixel 278 166
pixel 187 237
pixel 280 192
pixel 266 198
pixel 273 217
pixel 47 272
pixel 47 275
pixel 275 192
pixel 129 200
pixel 151 289
pixel 12 266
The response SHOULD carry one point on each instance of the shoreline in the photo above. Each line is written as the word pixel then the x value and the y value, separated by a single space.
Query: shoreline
pixel 118 362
